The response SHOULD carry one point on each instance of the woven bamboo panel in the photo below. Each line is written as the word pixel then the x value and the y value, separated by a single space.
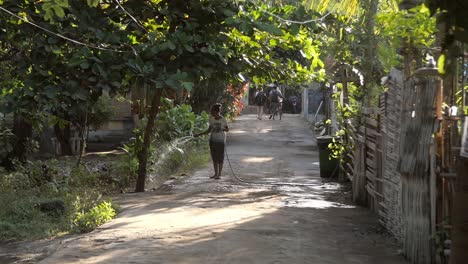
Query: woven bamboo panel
pixel 391 127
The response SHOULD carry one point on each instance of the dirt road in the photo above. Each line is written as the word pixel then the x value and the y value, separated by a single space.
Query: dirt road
pixel 199 220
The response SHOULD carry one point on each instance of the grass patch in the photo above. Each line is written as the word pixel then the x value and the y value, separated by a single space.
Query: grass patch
pixel 44 199
pixel 196 157
pixel 48 198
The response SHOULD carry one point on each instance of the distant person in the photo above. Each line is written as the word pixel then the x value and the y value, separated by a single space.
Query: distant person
pixel 260 100
pixel 280 101
pixel 266 109
pixel 293 100
pixel 217 129
pixel 276 100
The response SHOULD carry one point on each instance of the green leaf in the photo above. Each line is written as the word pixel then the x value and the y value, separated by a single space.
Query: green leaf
pixel 98 70
pixel 52 40
pixel 231 21
pixel 254 44
pixel 62 3
pixel 96 59
pixel 294 29
pixel 229 13
pixel 187 85
pixel 50 93
pixel 272 29
pixel 245 27
pixel 74 61
pixel 59 11
pixel 441 64
pixel 171 45
pixel 171 83
pixel 92 3
pixel 189 48
pixel 84 65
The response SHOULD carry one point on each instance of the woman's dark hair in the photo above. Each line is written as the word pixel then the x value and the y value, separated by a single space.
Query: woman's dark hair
pixel 216 108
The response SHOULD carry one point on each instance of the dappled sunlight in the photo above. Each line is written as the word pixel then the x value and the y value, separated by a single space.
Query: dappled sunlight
pixel 257 159
pixel 107 256
pixel 188 217
pixel 296 197
pixel 266 130
pixel 202 232
pixel 194 225
pixel 196 213
pixel 315 203
pixel 189 224
pixel 238 132
pixel 330 186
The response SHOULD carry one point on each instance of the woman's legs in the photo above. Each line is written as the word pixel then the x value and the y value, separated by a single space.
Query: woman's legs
pixel 280 110
pixel 220 168
pixel 217 155
pixel 216 169
pixel 213 157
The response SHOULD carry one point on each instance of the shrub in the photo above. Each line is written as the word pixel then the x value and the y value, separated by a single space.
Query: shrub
pixel 6 141
pixel 129 162
pixel 44 198
pixel 22 217
pixel 178 121
pixel 100 113
pixel 232 100
pixel 96 216
pixel 80 176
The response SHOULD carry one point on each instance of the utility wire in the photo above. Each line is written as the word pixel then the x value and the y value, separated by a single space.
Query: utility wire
pixel 131 16
pixel 293 21
pixel 58 34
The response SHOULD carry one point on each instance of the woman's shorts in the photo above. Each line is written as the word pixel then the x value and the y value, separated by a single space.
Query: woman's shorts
pixel 217 151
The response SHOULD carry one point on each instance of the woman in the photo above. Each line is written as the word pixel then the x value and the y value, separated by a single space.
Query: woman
pixel 218 127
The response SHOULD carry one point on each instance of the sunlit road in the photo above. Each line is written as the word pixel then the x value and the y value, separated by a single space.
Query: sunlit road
pixel 200 220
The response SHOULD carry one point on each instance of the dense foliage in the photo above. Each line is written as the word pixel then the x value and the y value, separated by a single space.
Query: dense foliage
pixel 41 199
pixel 178 121
pixel 96 47
pixel 61 60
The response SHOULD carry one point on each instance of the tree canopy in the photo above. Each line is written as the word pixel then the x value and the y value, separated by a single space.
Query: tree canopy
pixel 64 55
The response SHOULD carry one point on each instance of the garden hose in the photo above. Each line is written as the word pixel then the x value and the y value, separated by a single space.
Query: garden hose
pixel 258 183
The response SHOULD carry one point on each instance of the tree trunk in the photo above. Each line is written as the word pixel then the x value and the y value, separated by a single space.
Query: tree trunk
pixel 459 252
pixel 63 137
pixel 371 75
pixel 84 132
pixel 23 131
pixel 143 153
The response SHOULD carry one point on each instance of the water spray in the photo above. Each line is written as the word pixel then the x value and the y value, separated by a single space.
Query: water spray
pixel 171 146
pixel 174 145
